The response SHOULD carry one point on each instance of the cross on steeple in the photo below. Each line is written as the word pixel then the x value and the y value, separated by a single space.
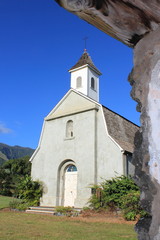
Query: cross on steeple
pixel 85 43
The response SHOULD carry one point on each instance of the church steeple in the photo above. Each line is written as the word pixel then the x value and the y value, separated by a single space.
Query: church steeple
pixel 85 77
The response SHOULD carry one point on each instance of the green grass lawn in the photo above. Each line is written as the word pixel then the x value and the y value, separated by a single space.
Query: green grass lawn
pixel 23 226
pixel 4 201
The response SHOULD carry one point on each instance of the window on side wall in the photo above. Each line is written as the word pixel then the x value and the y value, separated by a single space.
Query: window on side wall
pixel 69 129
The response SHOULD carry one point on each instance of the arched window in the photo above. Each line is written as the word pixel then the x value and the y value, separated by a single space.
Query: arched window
pixel 93 83
pixel 79 82
pixel 69 129
pixel 71 168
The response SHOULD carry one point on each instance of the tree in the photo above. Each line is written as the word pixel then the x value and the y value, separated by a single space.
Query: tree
pixel 11 173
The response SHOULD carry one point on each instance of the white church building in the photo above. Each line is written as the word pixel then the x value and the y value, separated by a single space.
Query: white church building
pixel 82 143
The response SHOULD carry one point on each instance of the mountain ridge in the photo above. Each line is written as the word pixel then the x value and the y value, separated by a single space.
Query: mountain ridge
pixel 13 152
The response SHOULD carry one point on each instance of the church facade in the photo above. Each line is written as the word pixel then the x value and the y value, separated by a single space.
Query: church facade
pixel 82 142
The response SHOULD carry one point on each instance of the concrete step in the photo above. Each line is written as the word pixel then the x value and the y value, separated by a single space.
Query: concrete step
pixel 46 210
pixel 41 210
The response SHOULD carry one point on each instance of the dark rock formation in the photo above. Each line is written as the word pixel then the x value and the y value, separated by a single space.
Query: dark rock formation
pixel 145 79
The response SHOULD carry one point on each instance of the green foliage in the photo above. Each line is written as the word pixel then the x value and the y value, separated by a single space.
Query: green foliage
pixel 15 181
pixel 85 209
pixel 20 166
pixel 13 204
pixel 11 173
pixel 64 210
pixel 5 183
pixel 116 188
pixel 30 191
pixel 19 204
pixel 131 206
pixel 96 201
pixel 118 193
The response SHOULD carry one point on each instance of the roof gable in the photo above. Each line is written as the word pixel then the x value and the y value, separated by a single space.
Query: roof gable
pixel 119 128
pixel 73 102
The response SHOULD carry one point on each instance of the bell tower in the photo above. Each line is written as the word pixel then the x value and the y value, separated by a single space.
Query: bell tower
pixel 85 77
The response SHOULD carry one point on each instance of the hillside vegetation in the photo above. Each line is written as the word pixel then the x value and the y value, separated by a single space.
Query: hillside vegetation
pixel 13 152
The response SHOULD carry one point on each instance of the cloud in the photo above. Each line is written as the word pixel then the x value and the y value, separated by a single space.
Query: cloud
pixel 4 129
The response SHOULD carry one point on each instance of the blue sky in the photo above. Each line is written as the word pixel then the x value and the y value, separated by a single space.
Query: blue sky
pixel 39 42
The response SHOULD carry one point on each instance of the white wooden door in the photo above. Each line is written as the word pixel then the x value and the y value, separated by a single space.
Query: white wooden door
pixel 70 188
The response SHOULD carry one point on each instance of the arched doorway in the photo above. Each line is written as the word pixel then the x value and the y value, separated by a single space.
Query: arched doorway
pixel 70 185
pixel 66 183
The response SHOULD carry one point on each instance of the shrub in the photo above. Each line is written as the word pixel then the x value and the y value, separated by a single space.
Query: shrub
pixel 30 191
pixel 110 192
pixel 115 189
pixel 118 193
pixel 23 206
pixel 131 206
pixel 96 201
pixel 19 204
pixel 64 210
pixel 67 211
pixel 14 203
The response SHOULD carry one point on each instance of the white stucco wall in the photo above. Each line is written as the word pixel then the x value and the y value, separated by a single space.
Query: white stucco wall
pixel 83 73
pixel 86 74
pixel 93 152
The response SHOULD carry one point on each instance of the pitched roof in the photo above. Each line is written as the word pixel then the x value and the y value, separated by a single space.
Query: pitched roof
pixel 120 129
pixel 85 59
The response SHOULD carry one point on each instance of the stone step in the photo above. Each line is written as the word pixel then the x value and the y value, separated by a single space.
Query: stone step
pixel 46 210
pixel 43 208
pixel 39 212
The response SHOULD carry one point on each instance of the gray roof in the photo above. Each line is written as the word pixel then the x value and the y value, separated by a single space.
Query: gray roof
pixel 85 59
pixel 120 129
